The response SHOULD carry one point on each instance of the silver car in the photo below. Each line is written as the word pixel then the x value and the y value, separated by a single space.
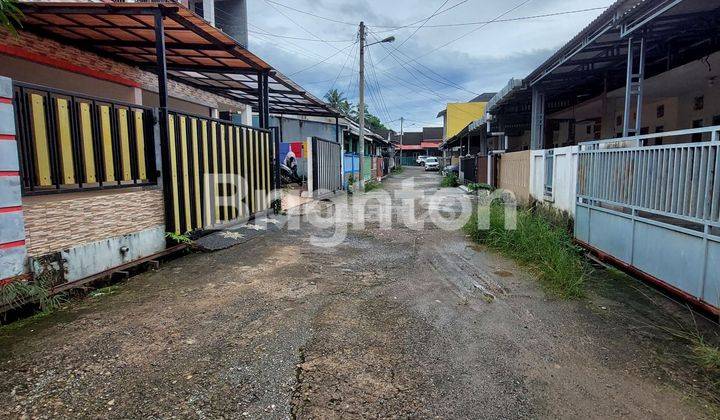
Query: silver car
pixel 432 164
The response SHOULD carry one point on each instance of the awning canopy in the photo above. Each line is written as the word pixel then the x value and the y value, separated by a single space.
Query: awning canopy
pixel 196 53
pixel 675 32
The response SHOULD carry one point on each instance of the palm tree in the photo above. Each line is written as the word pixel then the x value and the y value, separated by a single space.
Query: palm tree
pixel 10 15
pixel 337 100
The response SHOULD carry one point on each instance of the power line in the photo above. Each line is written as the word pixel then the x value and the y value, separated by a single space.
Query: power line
pixel 323 60
pixel 311 14
pixel 512 9
pixel 352 50
pixel 416 30
pixel 481 22
pixel 262 32
pixel 446 82
pixel 391 54
pixel 373 75
pixel 270 3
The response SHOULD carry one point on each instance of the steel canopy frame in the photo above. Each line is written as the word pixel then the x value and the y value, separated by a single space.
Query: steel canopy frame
pixel 195 53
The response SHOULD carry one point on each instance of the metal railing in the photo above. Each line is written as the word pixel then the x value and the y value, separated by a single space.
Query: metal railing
pixel 70 142
pixel 675 180
pixel 711 133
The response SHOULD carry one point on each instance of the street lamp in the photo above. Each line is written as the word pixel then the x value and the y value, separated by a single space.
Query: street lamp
pixel 361 108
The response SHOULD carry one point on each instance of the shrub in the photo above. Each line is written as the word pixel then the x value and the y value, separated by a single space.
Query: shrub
pixel 474 186
pixel 449 180
pixel 547 249
pixel 371 185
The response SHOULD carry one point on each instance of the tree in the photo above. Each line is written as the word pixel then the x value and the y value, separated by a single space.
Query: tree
pixel 337 100
pixel 10 15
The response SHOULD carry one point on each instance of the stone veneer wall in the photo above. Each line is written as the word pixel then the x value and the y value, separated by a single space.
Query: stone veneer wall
pixel 57 222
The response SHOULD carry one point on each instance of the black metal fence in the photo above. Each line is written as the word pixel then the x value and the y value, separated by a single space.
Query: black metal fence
pixel 71 142
pixel 219 171
pixel 468 169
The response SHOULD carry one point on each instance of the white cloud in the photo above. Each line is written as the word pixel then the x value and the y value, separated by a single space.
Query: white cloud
pixel 483 61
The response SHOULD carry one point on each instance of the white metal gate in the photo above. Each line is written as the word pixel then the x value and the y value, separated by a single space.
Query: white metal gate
pixel 656 209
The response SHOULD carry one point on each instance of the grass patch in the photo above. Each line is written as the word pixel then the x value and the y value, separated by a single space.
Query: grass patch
pixel 475 186
pixel 449 181
pixel 708 356
pixel 547 249
pixel 372 185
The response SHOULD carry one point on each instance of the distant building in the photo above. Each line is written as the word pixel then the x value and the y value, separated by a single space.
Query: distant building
pixel 228 15
pixel 457 116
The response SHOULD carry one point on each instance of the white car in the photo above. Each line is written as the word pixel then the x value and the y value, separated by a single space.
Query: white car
pixel 421 160
pixel 432 164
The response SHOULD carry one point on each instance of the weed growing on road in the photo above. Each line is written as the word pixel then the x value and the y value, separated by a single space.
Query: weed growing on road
pixel 449 181
pixel 537 243
pixel 397 169
pixel 371 185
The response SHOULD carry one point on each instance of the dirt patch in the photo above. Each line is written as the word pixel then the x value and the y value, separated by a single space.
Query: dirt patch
pixel 392 323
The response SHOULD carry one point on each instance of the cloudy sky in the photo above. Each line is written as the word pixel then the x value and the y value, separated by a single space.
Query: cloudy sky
pixel 426 66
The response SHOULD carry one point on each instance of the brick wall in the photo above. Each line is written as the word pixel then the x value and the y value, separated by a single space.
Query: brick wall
pixel 49 48
pixel 56 222
pixel 12 236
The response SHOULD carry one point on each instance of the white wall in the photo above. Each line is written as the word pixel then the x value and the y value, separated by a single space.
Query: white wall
pixel 564 178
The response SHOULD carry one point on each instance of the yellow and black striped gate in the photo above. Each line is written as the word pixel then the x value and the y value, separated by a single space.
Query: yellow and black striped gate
pixel 219 172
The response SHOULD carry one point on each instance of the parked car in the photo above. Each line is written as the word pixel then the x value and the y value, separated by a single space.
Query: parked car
pixel 421 160
pixel 432 164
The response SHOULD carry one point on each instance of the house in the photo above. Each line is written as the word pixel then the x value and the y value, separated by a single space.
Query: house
pixel 111 135
pixel 457 116
pixel 619 129
pixel 410 145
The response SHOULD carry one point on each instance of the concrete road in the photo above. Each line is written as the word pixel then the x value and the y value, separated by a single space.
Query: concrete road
pixel 401 322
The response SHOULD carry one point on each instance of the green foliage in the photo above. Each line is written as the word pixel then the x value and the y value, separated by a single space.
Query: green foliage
pixel 549 250
pixel 10 16
pixel 708 356
pixel 337 100
pixel 17 293
pixel 372 185
pixel 449 180
pixel 397 169
pixel 475 186
pixel 178 238
pixel 351 180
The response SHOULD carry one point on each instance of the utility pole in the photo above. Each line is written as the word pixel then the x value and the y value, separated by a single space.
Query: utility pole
pixel 361 107
pixel 401 138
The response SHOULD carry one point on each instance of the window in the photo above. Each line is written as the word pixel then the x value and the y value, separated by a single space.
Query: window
pixel 699 103
pixel 660 111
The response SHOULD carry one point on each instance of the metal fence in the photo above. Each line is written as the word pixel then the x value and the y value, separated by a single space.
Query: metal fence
pixel 326 165
pixel 656 209
pixel 70 142
pixel 468 169
pixel 219 171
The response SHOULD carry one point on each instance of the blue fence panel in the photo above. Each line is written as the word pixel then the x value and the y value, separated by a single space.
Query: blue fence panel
pixel 351 165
